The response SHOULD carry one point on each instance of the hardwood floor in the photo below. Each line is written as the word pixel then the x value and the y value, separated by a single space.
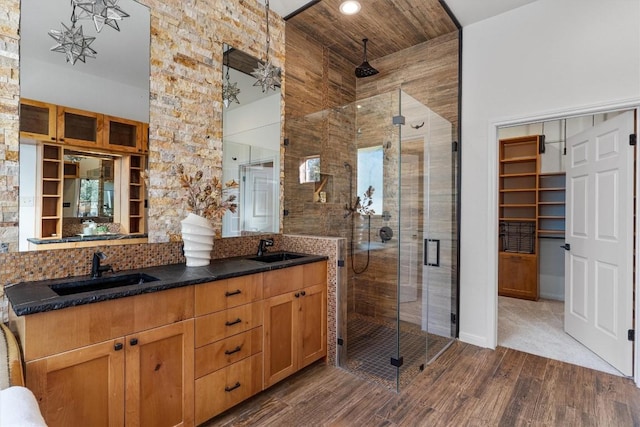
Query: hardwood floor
pixel 466 386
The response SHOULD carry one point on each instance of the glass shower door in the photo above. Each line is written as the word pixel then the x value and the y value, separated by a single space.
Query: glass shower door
pixel 426 270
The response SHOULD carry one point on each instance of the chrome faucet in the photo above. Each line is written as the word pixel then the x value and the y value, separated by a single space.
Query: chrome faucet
pixel 96 268
pixel 262 247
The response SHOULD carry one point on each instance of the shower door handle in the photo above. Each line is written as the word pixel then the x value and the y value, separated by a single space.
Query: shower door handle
pixel 432 252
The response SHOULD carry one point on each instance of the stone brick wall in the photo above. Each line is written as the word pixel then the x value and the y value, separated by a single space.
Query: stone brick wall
pixel 186 96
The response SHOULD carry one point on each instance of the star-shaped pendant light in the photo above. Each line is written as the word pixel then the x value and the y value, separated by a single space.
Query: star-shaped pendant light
pixel 73 43
pixel 230 90
pixel 102 12
pixel 230 93
pixel 267 75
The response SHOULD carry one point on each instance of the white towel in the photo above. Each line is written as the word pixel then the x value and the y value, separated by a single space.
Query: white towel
pixel 19 408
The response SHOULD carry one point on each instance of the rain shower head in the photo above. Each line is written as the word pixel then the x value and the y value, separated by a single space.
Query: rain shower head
pixel 365 69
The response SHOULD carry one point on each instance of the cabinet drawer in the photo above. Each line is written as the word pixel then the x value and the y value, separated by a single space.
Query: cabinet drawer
pixel 223 353
pixel 226 387
pixel 278 282
pixel 223 324
pixel 56 331
pixel 314 274
pixel 222 294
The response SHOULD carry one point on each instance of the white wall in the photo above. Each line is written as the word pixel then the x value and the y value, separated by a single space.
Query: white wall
pixel 543 60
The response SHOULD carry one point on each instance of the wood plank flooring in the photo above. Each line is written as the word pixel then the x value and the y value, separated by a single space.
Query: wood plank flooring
pixel 466 386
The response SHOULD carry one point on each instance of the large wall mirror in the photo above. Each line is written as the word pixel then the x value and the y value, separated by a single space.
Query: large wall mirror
pixel 251 147
pixel 96 183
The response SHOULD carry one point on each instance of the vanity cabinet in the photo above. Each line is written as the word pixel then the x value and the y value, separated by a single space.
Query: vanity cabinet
pixel 126 361
pixel 295 319
pixel 174 357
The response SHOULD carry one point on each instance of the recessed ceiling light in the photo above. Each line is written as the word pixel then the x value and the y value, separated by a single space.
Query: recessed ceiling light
pixel 350 7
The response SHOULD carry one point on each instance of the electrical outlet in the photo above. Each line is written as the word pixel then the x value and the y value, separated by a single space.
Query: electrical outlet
pixel 26 202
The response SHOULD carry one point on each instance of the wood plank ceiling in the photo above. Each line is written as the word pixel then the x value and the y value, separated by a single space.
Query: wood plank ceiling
pixel 390 26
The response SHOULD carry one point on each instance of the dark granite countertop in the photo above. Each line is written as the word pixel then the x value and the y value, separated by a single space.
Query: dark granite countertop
pixel 87 237
pixel 35 297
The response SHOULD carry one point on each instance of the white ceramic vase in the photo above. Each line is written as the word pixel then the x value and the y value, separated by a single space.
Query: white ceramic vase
pixel 197 235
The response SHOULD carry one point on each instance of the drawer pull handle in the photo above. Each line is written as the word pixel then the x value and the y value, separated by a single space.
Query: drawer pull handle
pixel 303 293
pixel 134 341
pixel 233 387
pixel 230 294
pixel 235 350
pixel 118 346
pixel 297 295
pixel 235 322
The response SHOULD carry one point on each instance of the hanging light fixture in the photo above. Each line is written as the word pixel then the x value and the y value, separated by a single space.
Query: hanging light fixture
pixel 101 12
pixel 267 75
pixel 230 90
pixel 72 42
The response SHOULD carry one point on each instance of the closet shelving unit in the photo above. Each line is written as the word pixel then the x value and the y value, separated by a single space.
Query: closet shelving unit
pixel 551 205
pixel 518 215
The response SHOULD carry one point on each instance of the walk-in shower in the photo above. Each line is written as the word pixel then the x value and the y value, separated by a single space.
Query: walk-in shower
pixel 389 170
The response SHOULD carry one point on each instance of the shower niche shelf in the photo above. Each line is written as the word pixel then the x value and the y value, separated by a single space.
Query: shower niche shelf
pixel 324 187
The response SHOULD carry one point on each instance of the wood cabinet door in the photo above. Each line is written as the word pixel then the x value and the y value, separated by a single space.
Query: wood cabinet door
pixel 160 379
pixel 518 275
pixel 37 120
pixel 312 317
pixel 123 134
pixel 83 387
pixel 280 337
pixel 79 127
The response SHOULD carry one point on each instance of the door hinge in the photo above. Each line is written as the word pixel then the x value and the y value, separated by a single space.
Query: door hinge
pixel 340 263
pixel 633 139
pixel 285 212
pixel 340 341
pixel 454 146
pixel 397 362
pixel 454 318
pixel 541 147
pixel 398 120
pixel 285 142
pixel 631 334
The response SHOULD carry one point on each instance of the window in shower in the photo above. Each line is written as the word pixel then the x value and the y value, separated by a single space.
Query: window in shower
pixel 370 174
pixel 310 169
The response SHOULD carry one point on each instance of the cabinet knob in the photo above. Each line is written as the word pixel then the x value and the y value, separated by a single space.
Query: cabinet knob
pixel 134 341
pixel 303 293
pixel 297 295
pixel 118 346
